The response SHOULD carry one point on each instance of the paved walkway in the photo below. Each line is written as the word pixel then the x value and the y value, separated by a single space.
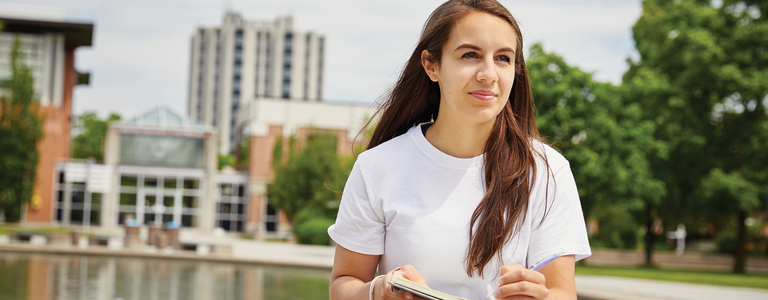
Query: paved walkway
pixel 284 253
pixel 587 286
pixel 618 288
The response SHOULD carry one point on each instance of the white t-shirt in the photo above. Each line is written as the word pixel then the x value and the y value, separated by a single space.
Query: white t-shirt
pixel 411 203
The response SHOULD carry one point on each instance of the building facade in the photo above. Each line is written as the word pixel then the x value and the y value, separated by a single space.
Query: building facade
pixel 160 169
pixel 243 60
pixel 49 44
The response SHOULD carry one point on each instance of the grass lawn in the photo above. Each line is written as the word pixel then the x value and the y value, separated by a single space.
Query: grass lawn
pixel 7 229
pixel 703 277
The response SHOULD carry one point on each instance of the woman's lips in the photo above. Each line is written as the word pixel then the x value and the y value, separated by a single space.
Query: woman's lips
pixel 483 95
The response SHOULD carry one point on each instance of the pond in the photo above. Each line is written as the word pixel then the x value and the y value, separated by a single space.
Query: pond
pixel 29 276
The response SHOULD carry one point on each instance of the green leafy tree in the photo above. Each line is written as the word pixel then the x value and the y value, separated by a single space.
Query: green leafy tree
pixel 605 140
pixel 21 128
pixel 244 152
pixel 308 183
pixel 89 142
pixel 226 160
pixel 701 79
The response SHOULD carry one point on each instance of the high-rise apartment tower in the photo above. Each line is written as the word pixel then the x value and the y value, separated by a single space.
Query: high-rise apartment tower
pixel 243 60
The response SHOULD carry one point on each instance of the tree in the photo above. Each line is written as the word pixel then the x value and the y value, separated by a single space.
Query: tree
pixel 21 128
pixel 244 151
pixel 226 160
pixel 310 179
pixel 605 140
pixel 89 142
pixel 701 79
pixel 308 184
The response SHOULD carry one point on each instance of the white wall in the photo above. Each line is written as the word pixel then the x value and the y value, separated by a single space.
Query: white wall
pixel 260 113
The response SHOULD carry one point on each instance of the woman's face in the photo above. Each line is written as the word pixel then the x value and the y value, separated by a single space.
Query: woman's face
pixel 476 70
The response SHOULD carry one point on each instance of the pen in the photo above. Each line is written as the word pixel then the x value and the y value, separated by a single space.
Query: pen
pixel 545 261
pixel 536 267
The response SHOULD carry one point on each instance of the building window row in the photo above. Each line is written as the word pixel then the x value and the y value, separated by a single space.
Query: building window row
pixel 258 59
pixel 287 66
pixel 306 66
pixel 267 58
pixel 320 55
pixel 156 201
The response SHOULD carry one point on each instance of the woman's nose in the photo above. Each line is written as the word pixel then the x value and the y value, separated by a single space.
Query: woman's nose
pixel 487 71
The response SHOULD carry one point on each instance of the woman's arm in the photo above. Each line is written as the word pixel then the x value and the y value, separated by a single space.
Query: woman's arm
pixel 560 276
pixel 352 274
pixel 554 281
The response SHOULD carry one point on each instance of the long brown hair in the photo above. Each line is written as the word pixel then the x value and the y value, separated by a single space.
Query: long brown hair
pixel 510 167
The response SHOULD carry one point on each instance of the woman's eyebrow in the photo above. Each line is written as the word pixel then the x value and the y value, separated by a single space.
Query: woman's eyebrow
pixel 506 49
pixel 473 47
pixel 467 46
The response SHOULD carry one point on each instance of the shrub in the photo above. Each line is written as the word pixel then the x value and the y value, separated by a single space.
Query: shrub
pixel 726 242
pixel 313 231
pixel 617 229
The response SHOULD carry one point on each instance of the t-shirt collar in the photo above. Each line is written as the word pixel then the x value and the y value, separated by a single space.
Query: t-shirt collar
pixel 430 151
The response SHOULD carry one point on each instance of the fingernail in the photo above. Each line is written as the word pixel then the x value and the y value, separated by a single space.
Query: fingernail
pixel 496 294
pixel 498 282
pixel 408 296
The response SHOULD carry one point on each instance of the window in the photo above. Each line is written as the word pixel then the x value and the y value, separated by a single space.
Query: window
pixel 84 207
pixel 239 38
pixel 165 199
pixel 288 42
pixel 286 90
pixel 271 218
pixel 231 208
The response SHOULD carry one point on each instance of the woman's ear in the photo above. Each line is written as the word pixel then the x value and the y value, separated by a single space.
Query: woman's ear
pixel 429 67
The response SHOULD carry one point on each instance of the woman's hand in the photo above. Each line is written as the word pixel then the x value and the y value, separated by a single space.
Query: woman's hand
pixel 517 282
pixel 384 290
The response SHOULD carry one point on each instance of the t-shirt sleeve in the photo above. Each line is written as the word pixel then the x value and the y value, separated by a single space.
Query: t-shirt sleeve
pixel 563 229
pixel 359 226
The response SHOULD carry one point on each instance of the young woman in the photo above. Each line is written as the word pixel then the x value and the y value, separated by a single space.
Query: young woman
pixel 465 203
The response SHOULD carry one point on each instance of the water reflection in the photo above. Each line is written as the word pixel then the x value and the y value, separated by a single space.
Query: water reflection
pixel 26 276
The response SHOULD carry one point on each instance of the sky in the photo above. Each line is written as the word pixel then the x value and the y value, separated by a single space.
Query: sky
pixel 141 48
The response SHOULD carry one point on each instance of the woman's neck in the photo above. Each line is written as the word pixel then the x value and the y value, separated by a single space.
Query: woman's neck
pixel 459 139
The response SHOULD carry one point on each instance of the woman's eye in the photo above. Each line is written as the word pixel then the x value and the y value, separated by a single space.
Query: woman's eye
pixel 504 58
pixel 469 55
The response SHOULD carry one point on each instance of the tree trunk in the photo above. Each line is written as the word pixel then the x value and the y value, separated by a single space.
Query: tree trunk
pixel 741 253
pixel 649 241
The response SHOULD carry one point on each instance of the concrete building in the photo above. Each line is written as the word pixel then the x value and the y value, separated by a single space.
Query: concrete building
pixel 243 60
pixel 159 167
pixel 49 42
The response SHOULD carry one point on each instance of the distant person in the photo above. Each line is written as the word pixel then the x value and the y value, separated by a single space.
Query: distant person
pixel 457 190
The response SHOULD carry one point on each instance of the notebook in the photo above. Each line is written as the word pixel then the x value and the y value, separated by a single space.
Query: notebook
pixel 421 291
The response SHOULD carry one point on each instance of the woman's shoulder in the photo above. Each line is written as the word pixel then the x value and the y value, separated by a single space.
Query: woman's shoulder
pixel 392 151
pixel 546 155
